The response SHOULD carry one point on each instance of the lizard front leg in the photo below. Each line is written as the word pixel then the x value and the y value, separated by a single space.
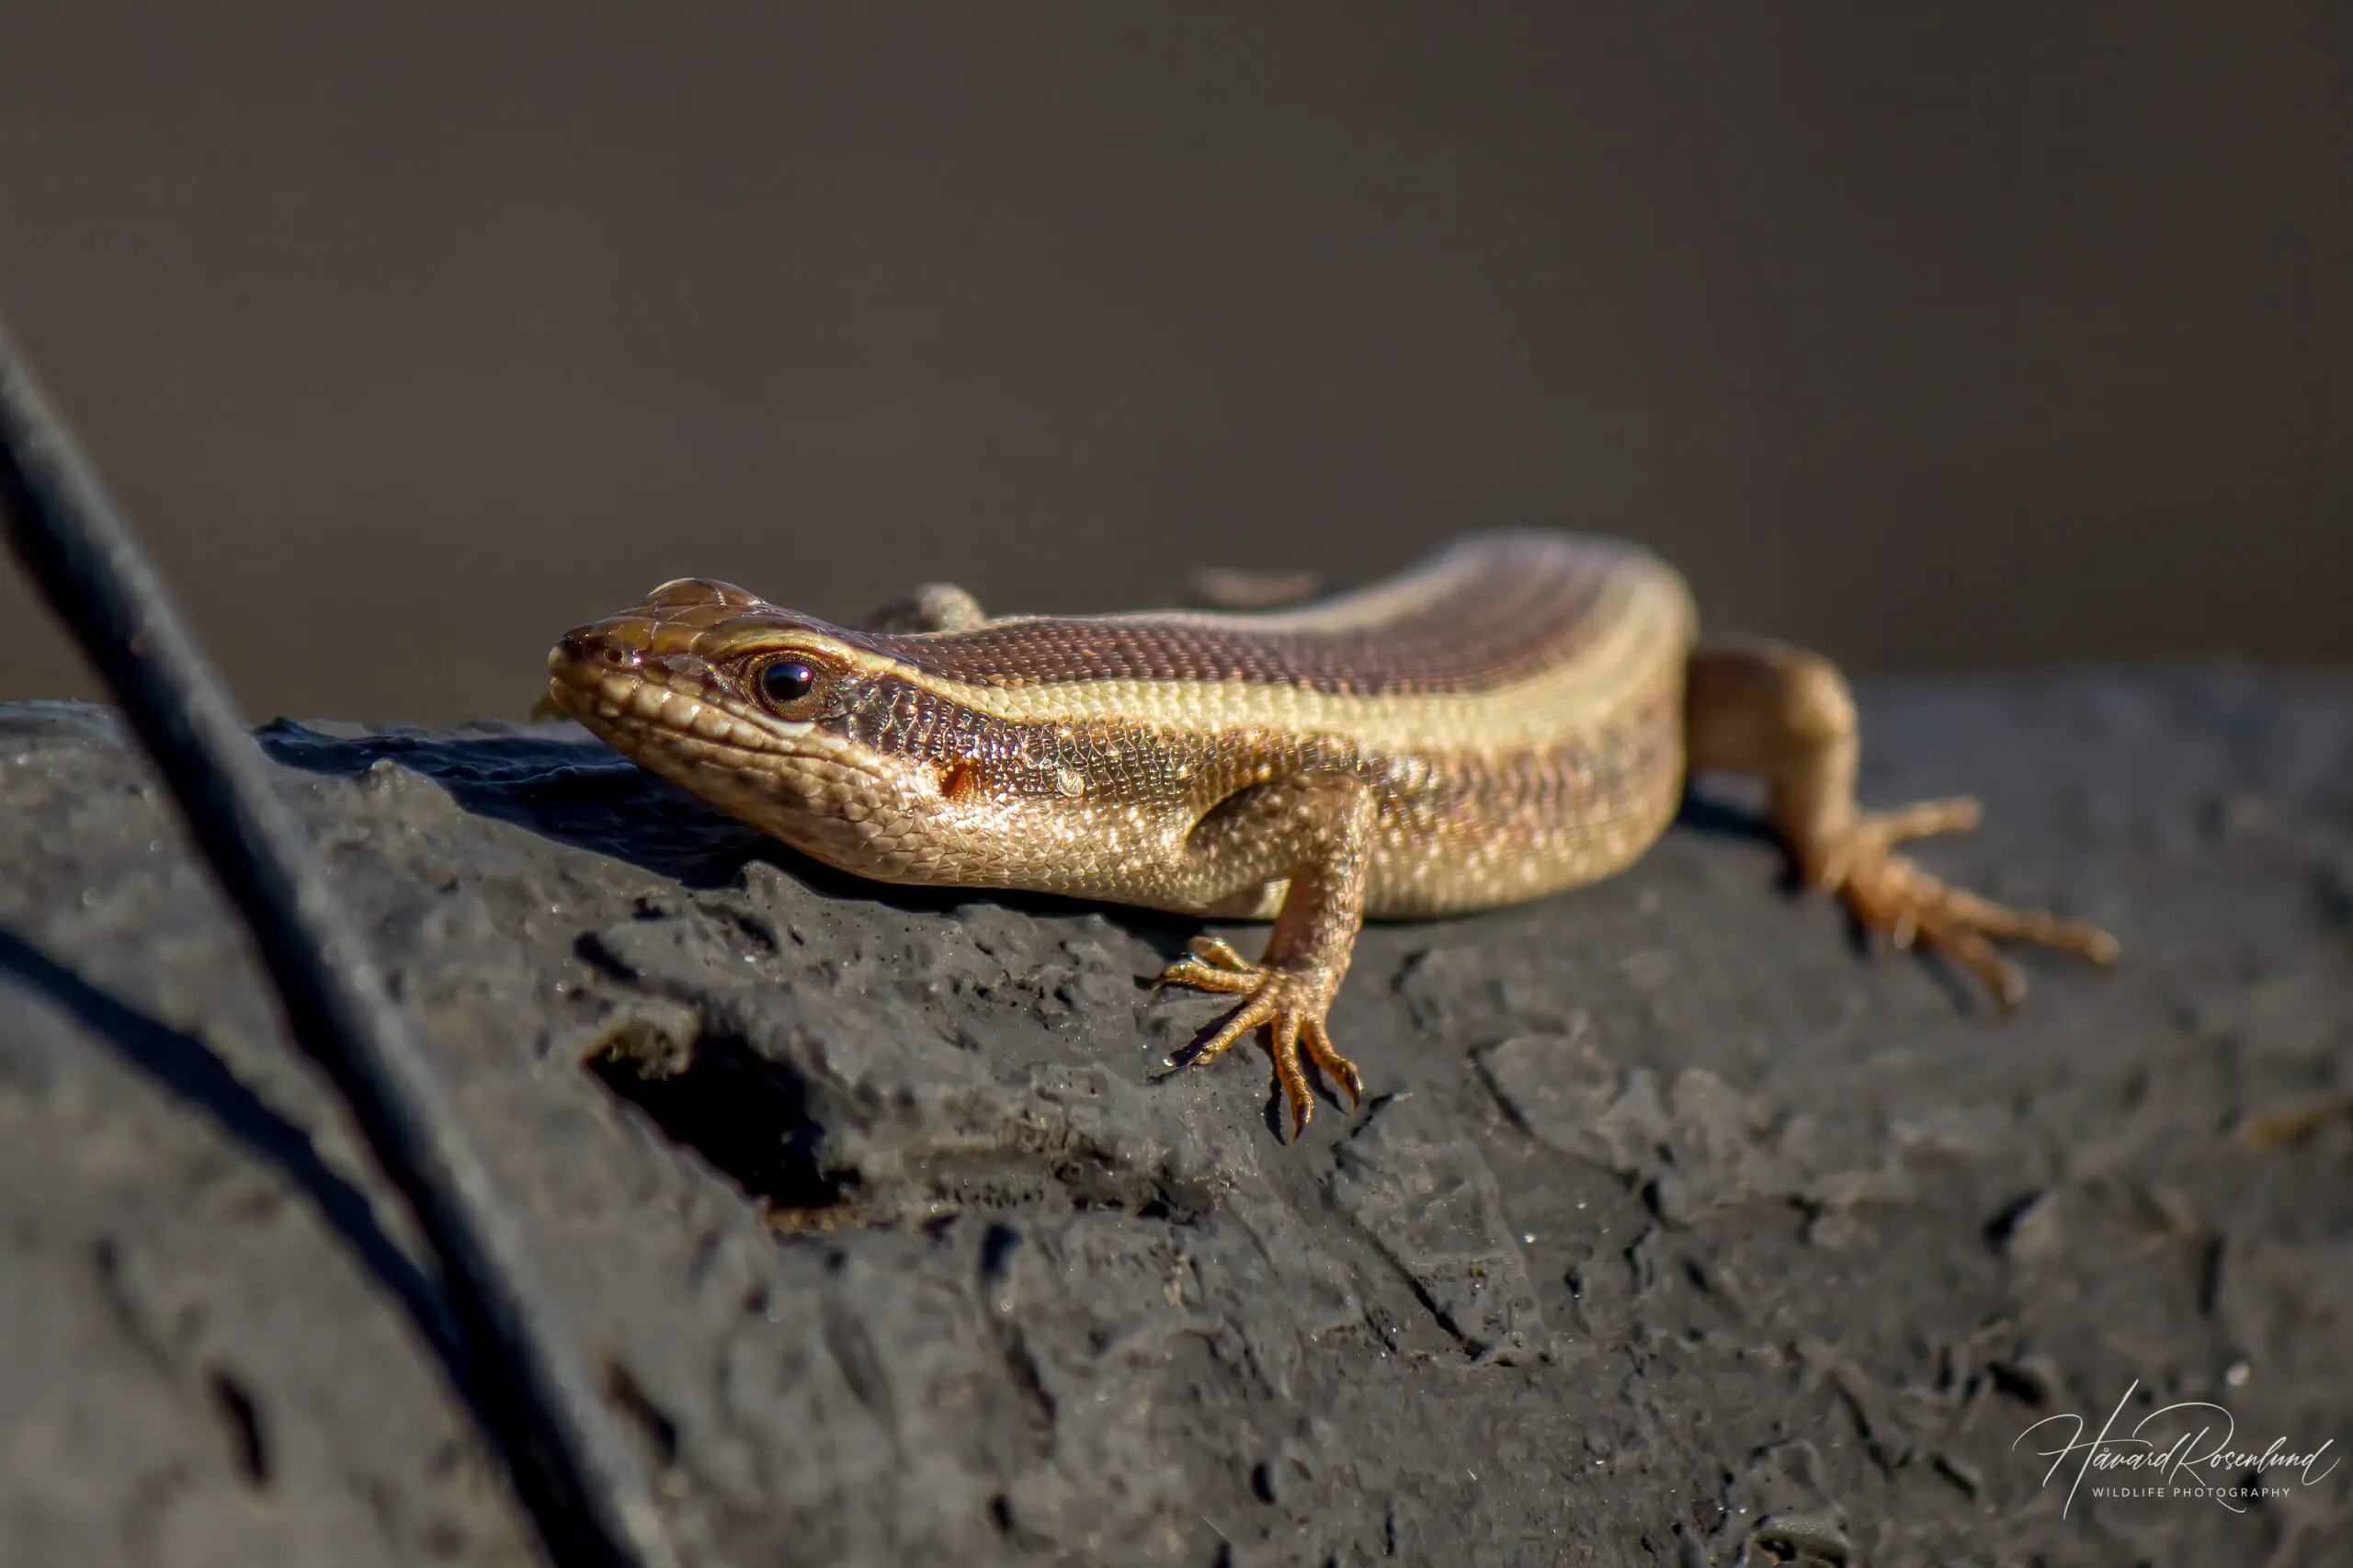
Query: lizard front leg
pixel 929 606
pixel 1316 830
pixel 1781 712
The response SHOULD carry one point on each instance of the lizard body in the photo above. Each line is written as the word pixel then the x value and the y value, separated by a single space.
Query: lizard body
pixel 1516 715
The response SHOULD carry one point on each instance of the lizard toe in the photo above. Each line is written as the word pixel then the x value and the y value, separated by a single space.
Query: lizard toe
pixel 1290 1008
pixel 1889 893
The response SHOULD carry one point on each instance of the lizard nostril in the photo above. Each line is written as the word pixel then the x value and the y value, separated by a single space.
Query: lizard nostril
pixel 584 647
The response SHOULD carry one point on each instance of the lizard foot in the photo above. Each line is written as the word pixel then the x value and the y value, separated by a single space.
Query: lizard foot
pixel 1889 893
pixel 1291 1006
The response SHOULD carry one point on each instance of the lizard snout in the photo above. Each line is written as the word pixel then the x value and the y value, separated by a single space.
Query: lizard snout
pixel 593 647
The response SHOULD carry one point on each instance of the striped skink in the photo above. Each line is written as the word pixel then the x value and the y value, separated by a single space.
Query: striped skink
pixel 1514 716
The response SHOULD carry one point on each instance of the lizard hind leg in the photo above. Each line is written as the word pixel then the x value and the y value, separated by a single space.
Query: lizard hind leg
pixel 1785 714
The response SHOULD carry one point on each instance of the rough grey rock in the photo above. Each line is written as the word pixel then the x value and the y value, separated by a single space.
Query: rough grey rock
pixel 1680 1232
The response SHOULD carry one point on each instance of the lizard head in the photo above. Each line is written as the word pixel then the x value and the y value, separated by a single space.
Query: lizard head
pixel 776 718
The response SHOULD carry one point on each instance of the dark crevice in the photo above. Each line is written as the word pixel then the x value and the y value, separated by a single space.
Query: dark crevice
pixel 2210 1276
pixel 2006 1222
pixel 998 1244
pixel 241 1419
pixel 861 1366
pixel 653 1422
pixel 746 1115
pixel 1037 1406
pixel 2017 1383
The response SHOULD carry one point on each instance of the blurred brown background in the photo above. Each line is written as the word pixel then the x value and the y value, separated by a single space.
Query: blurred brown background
pixel 1934 335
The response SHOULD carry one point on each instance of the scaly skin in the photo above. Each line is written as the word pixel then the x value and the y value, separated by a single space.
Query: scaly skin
pixel 1514 716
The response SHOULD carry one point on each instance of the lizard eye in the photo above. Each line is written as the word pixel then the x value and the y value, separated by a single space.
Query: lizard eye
pixel 788 685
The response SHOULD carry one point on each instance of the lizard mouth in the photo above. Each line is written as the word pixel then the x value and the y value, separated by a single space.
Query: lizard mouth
pixel 641 701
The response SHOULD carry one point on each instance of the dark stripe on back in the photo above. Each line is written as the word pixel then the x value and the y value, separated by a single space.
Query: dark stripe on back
pixel 1527 603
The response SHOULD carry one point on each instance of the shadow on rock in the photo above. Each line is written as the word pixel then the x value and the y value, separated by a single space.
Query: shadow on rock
pixel 550 778
pixel 558 782
pixel 184 1067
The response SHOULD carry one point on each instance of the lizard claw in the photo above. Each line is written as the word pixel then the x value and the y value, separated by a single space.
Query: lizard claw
pixel 1290 1006
pixel 1890 894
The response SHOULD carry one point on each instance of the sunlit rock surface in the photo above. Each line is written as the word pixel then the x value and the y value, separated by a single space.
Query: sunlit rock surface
pixel 1678 1230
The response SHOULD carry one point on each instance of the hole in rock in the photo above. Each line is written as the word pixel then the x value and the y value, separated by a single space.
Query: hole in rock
pixel 747 1116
